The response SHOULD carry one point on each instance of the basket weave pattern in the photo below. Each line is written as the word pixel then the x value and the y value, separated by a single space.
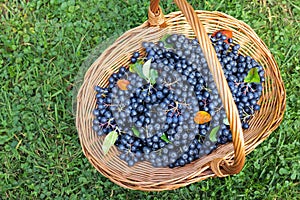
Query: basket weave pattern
pixel 226 159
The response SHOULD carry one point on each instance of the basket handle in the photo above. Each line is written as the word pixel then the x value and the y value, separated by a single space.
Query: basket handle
pixel 220 80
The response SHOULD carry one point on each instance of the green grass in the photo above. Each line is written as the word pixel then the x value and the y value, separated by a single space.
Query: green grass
pixel 42 46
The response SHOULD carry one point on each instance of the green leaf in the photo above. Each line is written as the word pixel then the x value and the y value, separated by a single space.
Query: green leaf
pixel 82 180
pixel 139 71
pixel 253 76
pixel 164 138
pixel 135 132
pixel 225 121
pixel 164 38
pixel 168 46
pixel 213 134
pixel 109 141
pixel 144 71
pixel 4 139
pixel 153 76
pixel 146 68
pixel 283 171
pixel 134 68
pixel 293 176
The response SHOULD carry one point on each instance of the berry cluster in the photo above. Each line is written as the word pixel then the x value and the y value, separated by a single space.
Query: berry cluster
pixel 236 68
pixel 155 122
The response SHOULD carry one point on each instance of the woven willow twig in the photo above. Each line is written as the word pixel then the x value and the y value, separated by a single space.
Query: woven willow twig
pixel 226 159
pixel 224 91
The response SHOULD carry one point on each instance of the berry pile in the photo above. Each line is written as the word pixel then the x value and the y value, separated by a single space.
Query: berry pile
pixel 172 114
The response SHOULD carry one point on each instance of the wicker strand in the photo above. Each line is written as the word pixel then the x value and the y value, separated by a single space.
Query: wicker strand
pixel 154 6
pixel 156 18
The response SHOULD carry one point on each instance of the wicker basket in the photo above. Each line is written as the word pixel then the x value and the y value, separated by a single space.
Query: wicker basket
pixel 226 159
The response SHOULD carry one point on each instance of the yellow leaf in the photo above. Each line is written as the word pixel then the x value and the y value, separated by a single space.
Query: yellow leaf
pixel 202 117
pixel 122 84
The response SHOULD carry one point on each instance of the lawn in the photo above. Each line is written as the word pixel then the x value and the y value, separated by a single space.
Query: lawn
pixel 42 47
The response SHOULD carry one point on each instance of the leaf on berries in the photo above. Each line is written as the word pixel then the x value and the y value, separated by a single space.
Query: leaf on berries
pixel 135 132
pixel 144 71
pixel 253 76
pixel 164 138
pixel 122 84
pixel 137 68
pixel 202 117
pixel 109 141
pixel 153 76
pixel 213 134
pixel 168 46
pixel 225 121
pixel 139 71
pixel 146 68
pixel 164 40
pixel 132 68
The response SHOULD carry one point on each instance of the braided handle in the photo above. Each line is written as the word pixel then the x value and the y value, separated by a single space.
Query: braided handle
pixel 220 80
